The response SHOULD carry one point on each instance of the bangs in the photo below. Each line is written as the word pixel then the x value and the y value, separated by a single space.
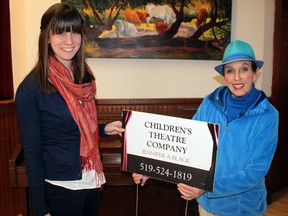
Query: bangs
pixel 67 22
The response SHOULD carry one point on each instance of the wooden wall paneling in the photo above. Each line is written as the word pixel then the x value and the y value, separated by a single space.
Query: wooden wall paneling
pixel 9 132
pixel 3 120
pixel 12 126
pixel 6 204
pixel 179 107
pixel 8 123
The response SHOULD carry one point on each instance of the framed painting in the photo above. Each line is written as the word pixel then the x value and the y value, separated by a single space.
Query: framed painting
pixel 186 29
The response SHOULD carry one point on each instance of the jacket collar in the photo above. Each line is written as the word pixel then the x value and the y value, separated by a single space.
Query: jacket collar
pixel 218 98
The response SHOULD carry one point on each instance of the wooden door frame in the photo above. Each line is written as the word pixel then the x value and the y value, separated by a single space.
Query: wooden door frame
pixel 277 177
pixel 276 93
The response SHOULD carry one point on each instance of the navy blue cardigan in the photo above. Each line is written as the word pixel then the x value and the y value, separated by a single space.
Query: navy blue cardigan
pixel 50 139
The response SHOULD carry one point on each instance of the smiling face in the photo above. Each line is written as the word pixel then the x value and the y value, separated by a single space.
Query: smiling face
pixel 239 77
pixel 65 45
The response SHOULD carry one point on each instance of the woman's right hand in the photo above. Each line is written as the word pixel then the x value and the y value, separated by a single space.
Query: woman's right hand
pixel 138 178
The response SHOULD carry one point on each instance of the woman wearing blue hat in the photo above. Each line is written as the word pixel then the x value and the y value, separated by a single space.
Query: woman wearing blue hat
pixel 247 139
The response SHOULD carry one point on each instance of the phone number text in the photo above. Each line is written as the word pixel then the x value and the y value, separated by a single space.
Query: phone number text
pixel 158 170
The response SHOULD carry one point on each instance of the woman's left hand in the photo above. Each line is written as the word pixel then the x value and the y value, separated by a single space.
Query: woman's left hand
pixel 188 192
pixel 114 128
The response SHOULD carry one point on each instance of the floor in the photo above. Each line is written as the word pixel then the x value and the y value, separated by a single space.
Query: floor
pixel 279 205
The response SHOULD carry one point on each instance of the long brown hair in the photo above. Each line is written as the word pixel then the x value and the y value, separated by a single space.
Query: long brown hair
pixel 60 17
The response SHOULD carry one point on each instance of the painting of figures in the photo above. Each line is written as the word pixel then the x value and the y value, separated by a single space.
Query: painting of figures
pixel 184 29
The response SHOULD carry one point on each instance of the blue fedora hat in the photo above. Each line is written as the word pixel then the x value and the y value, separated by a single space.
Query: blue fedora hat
pixel 238 50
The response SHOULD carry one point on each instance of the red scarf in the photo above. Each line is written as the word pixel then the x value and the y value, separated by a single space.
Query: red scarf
pixel 80 99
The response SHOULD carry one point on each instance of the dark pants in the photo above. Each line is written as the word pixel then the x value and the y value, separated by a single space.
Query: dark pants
pixel 65 202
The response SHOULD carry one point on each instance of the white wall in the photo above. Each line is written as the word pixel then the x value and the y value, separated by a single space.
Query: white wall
pixel 252 21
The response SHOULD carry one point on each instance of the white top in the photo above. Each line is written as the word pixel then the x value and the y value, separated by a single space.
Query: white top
pixel 88 181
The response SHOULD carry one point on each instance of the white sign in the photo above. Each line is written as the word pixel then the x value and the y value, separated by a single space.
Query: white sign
pixel 169 148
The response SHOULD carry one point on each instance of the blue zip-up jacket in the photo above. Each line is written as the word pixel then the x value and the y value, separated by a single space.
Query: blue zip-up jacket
pixel 50 139
pixel 245 150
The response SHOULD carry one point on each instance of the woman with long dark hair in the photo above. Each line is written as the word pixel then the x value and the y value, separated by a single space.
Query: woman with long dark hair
pixel 58 121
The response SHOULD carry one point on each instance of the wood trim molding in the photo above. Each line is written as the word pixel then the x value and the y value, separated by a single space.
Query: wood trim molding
pixel 111 109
